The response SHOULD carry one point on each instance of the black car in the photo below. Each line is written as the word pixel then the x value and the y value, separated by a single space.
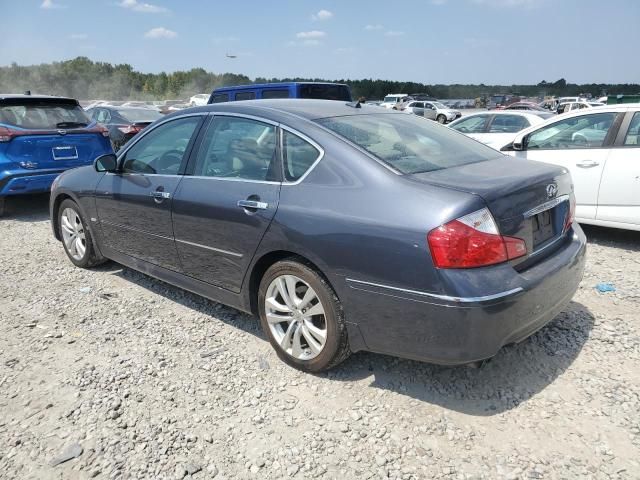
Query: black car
pixel 123 123
pixel 343 227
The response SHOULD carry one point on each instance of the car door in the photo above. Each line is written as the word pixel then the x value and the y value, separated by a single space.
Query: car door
pixel 418 108
pixel 228 199
pixel 430 111
pixel 581 145
pixel 619 197
pixel 134 204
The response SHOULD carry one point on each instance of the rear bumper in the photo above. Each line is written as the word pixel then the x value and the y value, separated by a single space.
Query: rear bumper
pixel 456 330
pixel 12 183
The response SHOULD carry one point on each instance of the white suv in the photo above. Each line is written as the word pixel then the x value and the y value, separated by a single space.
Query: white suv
pixel 395 100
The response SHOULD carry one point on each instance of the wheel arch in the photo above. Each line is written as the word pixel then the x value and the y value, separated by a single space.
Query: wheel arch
pixel 55 212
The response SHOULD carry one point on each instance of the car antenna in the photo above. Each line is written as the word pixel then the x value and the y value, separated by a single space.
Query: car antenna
pixel 354 104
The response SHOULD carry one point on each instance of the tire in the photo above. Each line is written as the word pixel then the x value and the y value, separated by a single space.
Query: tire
pixel 306 329
pixel 441 119
pixel 76 237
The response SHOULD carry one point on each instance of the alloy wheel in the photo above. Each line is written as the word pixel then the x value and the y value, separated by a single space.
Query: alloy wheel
pixel 73 233
pixel 296 317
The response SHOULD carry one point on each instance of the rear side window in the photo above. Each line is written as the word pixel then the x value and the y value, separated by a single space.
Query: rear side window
pixel 325 92
pixel 508 124
pixel 408 143
pixel 245 95
pixel 299 155
pixel 43 115
pixel 220 98
pixel 633 134
pixel 271 93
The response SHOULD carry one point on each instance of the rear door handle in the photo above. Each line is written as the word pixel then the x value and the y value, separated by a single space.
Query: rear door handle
pixel 253 204
pixel 587 164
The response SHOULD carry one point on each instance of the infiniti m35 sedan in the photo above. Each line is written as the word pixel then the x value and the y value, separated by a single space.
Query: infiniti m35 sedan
pixel 343 227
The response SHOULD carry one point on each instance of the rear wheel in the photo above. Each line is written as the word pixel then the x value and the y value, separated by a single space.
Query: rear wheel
pixel 76 237
pixel 302 317
pixel 441 119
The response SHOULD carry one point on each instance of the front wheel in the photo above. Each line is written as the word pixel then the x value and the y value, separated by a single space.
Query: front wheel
pixel 441 119
pixel 302 317
pixel 76 237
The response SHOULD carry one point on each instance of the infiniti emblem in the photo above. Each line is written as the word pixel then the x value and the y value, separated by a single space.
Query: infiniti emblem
pixel 62 132
pixel 552 190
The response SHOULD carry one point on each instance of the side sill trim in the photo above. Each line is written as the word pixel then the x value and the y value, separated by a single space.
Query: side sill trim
pixel 218 250
pixel 485 298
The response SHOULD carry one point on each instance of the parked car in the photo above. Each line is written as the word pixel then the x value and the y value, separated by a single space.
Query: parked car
pixel 571 106
pixel 528 106
pixel 433 110
pixel 343 228
pixel 316 90
pixel 496 128
pixel 123 123
pixel 501 100
pixel 199 100
pixel 600 147
pixel 40 137
pixel 396 101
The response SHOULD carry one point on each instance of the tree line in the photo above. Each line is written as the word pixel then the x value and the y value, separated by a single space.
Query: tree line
pixel 85 79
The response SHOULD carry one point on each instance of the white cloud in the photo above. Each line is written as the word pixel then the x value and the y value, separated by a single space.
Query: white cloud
pixel 311 34
pixel 50 5
pixel 142 7
pixel 393 33
pixel 322 15
pixel 160 32
pixel 78 36
pixel 374 27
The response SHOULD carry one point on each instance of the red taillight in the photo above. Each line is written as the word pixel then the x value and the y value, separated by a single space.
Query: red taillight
pixel 7 134
pixel 472 241
pixel 568 220
pixel 130 129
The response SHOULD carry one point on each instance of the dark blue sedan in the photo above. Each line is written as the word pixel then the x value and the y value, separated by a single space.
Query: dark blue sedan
pixel 42 136
pixel 343 227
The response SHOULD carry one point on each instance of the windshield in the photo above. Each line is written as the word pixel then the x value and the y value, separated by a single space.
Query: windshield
pixel 389 99
pixel 43 115
pixel 139 114
pixel 408 143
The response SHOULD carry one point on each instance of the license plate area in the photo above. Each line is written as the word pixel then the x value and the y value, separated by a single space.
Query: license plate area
pixel 65 153
pixel 542 226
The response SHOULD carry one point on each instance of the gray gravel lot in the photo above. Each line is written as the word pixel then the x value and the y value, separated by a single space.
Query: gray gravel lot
pixel 108 373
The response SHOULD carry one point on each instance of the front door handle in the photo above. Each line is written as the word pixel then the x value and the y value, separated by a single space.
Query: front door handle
pixel 253 204
pixel 587 164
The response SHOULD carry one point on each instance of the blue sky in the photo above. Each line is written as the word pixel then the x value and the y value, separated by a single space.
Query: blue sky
pixel 430 41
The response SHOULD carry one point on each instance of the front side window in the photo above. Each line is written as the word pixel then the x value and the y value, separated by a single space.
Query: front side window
pixel 162 150
pixel 235 147
pixel 473 124
pixel 586 131
pixel 633 134
pixel 245 95
pixel 508 124
pixel 298 155
pixel 220 98
pixel 408 143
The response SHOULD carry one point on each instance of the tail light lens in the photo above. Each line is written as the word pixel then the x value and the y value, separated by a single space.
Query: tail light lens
pixel 568 221
pixel 6 134
pixel 472 241
pixel 130 129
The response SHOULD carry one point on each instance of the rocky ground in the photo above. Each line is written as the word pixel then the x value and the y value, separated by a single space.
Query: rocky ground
pixel 108 373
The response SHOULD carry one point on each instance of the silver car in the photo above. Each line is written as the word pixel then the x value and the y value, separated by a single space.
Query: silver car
pixel 433 111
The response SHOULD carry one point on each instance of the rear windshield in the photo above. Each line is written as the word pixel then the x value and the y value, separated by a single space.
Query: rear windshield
pixel 43 115
pixel 139 114
pixel 408 143
pixel 325 92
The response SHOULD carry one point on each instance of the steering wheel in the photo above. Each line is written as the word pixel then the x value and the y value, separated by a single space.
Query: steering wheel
pixel 170 160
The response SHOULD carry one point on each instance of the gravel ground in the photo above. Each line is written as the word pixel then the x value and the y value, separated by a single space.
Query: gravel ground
pixel 111 374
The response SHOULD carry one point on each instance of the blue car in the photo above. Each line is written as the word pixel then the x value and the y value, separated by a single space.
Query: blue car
pixel 342 227
pixel 258 91
pixel 41 137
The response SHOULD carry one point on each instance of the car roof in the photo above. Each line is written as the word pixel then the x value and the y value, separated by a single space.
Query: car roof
pixel 16 96
pixel 306 108
pixel 273 85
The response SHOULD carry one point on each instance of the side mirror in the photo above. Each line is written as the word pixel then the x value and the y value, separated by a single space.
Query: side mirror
pixel 106 163
pixel 519 143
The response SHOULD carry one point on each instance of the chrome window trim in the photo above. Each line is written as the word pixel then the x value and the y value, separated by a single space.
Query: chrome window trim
pixel 148 130
pixel 546 206
pixel 232 179
pixel 307 139
pixel 243 115
pixel 484 298
pixel 218 250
